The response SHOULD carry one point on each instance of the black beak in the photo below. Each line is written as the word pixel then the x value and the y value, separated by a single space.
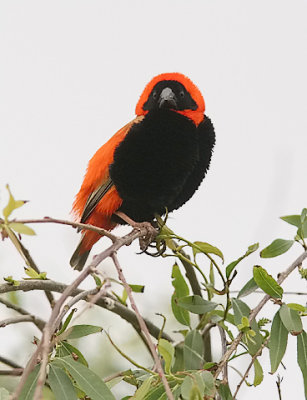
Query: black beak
pixel 167 99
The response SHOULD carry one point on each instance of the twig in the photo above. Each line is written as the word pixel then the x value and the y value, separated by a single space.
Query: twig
pixel 257 354
pixel 24 252
pixel 51 326
pixel 278 383
pixel 88 227
pixel 224 349
pixel 143 328
pixel 36 320
pixel 11 372
pixel 255 311
pixel 105 302
pixel 8 362
pixel 284 293
pixel 15 320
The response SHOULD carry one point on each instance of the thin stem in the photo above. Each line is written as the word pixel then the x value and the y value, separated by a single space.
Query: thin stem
pixel 106 302
pixel 255 311
pixel 88 227
pixel 15 320
pixel 257 354
pixel 8 362
pixel 36 320
pixel 143 328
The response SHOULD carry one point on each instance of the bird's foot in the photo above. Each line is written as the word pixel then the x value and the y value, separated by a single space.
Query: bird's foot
pixel 150 231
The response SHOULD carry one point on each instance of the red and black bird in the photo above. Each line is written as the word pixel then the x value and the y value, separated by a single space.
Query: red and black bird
pixel 155 162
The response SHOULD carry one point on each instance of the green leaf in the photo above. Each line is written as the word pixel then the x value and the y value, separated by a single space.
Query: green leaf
pixel 78 331
pixel 181 290
pixel 208 381
pixel 292 219
pixel 60 384
pixel 291 320
pixel 202 247
pixel 190 390
pixel 178 359
pixel 224 392
pixel 240 310
pixel 86 379
pixel 4 394
pixel 266 282
pixel 248 288
pixel 12 204
pixel 297 307
pixel 251 249
pixel 143 389
pixel 30 385
pixel 193 350
pixel 22 228
pixel 302 356
pixel 11 281
pixel 35 275
pixel 258 373
pixel 67 321
pixel 167 351
pixel 276 248
pixel 137 288
pixel 278 342
pixel 65 349
pixel 196 304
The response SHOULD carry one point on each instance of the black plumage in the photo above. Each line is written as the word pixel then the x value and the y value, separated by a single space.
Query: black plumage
pixel 161 162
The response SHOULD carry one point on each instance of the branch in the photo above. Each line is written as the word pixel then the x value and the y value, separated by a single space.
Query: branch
pixel 11 372
pixel 52 324
pixel 255 311
pixel 79 225
pixel 15 320
pixel 8 362
pixel 257 354
pixel 105 302
pixel 36 320
pixel 143 327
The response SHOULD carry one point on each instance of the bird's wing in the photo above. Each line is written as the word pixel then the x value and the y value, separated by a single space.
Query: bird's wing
pixel 94 198
pixel 97 182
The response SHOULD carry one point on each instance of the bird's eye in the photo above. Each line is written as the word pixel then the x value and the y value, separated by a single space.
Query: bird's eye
pixel 181 94
pixel 154 95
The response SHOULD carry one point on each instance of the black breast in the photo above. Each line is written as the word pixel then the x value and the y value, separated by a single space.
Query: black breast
pixel 159 164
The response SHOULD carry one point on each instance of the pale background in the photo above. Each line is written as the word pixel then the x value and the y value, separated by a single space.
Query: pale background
pixel 71 73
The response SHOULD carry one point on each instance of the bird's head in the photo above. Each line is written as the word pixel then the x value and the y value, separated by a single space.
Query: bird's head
pixel 173 91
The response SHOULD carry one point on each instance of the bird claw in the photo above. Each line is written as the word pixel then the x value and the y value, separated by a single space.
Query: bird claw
pixel 149 236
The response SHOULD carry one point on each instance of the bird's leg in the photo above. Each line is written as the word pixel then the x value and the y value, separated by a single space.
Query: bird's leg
pixel 151 231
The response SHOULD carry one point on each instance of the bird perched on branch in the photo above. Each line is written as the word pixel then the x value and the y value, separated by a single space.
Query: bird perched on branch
pixel 155 162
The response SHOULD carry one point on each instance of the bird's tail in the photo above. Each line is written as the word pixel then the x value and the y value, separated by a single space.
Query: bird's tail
pixel 89 238
pixel 78 259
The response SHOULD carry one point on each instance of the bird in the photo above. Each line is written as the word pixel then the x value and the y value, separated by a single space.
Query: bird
pixel 154 163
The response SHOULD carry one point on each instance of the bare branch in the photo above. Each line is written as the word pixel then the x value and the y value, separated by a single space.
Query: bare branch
pixel 107 302
pixel 255 311
pixel 15 320
pixel 257 354
pixel 11 372
pixel 143 327
pixel 88 227
pixel 52 324
pixel 36 320
pixel 8 362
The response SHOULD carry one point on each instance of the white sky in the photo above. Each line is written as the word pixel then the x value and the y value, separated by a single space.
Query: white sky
pixel 71 73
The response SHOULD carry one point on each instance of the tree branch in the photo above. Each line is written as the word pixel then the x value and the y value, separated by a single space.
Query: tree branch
pixel 8 362
pixel 106 302
pixel 36 320
pixel 52 324
pixel 79 225
pixel 255 311
pixel 144 328
pixel 257 354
